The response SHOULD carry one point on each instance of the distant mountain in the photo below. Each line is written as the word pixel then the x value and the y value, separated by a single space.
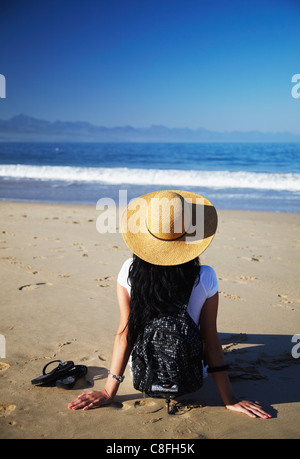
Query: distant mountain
pixel 26 128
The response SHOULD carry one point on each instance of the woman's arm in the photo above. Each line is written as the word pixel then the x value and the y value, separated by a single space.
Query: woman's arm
pixel 120 356
pixel 215 358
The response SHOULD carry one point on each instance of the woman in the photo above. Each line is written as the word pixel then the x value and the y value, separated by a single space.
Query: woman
pixel 167 231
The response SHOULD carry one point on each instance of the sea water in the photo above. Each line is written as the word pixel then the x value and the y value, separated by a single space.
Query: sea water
pixel 250 176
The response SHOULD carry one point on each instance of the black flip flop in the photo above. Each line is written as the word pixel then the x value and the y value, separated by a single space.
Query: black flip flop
pixel 59 372
pixel 68 381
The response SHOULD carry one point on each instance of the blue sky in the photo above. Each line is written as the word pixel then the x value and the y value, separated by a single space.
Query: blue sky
pixel 220 65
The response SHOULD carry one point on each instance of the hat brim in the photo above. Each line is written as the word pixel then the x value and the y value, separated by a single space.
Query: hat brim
pixel 169 253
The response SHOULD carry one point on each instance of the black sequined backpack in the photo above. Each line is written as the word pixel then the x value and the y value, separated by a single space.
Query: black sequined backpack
pixel 167 357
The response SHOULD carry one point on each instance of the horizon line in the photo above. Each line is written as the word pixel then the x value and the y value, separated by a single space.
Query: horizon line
pixel 256 130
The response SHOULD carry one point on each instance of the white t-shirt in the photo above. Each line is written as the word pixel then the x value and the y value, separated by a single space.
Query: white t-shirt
pixel 206 288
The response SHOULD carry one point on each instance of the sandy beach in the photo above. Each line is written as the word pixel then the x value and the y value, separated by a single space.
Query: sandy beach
pixel 58 301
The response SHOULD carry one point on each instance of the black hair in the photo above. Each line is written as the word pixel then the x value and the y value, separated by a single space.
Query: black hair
pixel 158 289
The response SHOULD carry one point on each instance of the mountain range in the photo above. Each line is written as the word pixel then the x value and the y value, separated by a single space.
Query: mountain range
pixel 26 128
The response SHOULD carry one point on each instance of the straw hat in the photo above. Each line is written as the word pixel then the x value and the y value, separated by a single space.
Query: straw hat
pixel 169 227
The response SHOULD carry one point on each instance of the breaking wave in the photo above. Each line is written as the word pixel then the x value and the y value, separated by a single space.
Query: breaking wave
pixel 170 177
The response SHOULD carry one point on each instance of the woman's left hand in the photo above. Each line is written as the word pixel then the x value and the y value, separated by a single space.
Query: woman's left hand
pixel 252 409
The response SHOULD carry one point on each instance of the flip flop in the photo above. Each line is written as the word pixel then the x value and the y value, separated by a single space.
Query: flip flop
pixel 68 381
pixel 60 371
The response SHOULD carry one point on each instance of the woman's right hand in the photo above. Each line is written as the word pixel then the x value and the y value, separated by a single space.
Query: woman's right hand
pixel 89 400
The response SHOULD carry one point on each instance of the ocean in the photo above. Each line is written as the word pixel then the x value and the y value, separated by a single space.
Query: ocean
pixel 246 176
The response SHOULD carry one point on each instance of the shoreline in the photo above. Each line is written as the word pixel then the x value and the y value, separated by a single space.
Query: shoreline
pixel 58 301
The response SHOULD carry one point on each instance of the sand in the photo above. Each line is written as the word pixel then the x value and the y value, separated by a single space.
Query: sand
pixel 58 301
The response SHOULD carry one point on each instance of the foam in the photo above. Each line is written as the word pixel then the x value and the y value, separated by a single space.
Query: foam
pixel 170 177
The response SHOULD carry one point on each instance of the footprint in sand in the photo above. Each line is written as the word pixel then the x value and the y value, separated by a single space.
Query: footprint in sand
pixel 152 421
pixel 245 370
pixel 257 258
pixel 233 340
pixel 6 409
pixel 246 278
pixel 147 406
pixel 8 233
pixel 286 302
pixel 4 366
pixel 240 279
pixel 229 296
pixel 143 406
pixel 33 286
pixel 240 369
pixel 103 279
pixel 276 363
pixel 183 406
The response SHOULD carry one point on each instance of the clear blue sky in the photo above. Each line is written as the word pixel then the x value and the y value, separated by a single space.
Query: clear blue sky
pixel 221 65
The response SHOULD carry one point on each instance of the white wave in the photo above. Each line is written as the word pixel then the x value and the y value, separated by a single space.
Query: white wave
pixel 170 177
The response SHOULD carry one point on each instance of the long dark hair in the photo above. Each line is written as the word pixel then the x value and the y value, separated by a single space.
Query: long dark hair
pixel 158 289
